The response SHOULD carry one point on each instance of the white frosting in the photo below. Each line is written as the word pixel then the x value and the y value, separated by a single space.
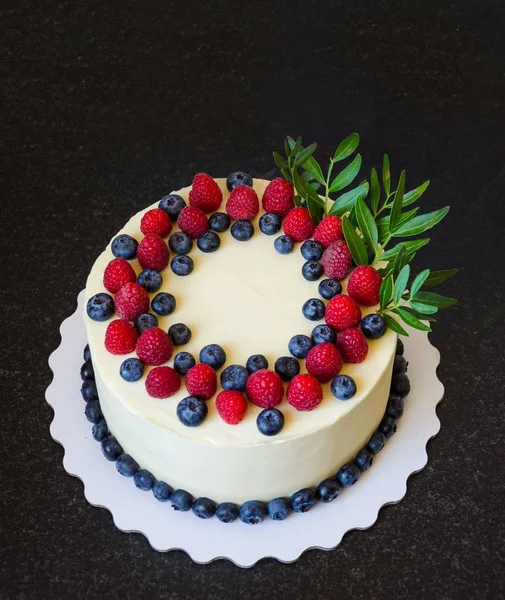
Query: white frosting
pixel 247 298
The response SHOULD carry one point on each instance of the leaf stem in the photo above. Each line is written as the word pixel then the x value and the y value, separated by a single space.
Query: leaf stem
pixel 327 185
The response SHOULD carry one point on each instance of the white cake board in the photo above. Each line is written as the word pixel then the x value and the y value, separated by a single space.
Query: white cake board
pixel 205 541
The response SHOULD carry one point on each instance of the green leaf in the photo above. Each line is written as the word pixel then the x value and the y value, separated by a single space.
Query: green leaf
pixel 421 223
pixel 434 299
pixel 312 167
pixel 297 200
pixel 279 161
pixel 311 193
pixel 416 314
pixel 375 191
pixel 356 245
pixel 298 146
pixel 289 143
pixel 300 184
pixel 346 201
pixel 302 156
pixel 396 209
pixel 426 309
pixel 401 283
pixel 316 211
pixel 383 228
pixel 286 174
pixel 386 291
pixel 398 263
pixel 346 147
pixel 367 224
pixel 386 175
pixel 410 247
pixel 393 324
pixel 418 282
pixel 347 175
pixel 437 277
pixel 413 195
pixel 411 320
pixel 407 216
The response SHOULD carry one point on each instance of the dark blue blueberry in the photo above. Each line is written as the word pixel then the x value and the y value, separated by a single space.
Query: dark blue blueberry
pixel 234 377
pixel 238 178
pixel 131 369
pixel 150 280
pixel 270 223
pixel 256 362
pixel 284 244
pixel 242 230
pixel 213 355
pixel 208 242
pixel 400 384
pixel 182 265
pixel 162 491
pixel 180 242
pixel 163 304
pixel 348 475
pixel 312 270
pixel 226 512
pixel 387 426
pixel 87 371
pixel 312 250
pixel 278 509
pixel 287 367
pixel 270 421
pixel 192 411
pixel 89 391
pixel 329 288
pixel 179 333
pixel 314 309
pixel 299 345
pixel 303 500
pixel 144 480
pixel 322 334
pixel 399 347
pixel 181 500
pixel 252 512
pixel 394 407
pixel 373 326
pixel 400 364
pixel 364 459
pixel 204 508
pixel 327 490
pixel 100 430
pixel 376 442
pixel 126 465
pixel 93 411
pixel 172 205
pixel 145 321
pixel 100 307
pixel 183 362
pixel 87 352
pixel 343 387
pixel 219 222
pixel 111 448
pixel 124 246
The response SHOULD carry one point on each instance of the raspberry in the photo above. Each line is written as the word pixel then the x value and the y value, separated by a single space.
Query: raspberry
pixel 154 346
pixel 353 345
pixel 323 362
pixel 205 194
pixel 278 197
pixel 243 203
pixel 337 261
pixel 342 313
pixel 329 230
pixel 298 224
pixel 162 382
pixel 153 253
pixel 118 272
pixel 304 392
pixel 131 301
pixel 264 388
pixel 201 381
pixel 192 221
pixel 231 406
pixel 156 221
pixel 120 337
pixel 364 285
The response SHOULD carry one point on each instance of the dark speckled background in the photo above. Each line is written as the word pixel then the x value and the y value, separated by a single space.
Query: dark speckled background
pixel 104 109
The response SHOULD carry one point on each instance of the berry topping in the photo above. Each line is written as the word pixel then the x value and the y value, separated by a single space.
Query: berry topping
pixel 363 459
pixel 343 387
pixel 182 265
pixel 329 288
pixel 201 381
pixel 131 301
pixel 183 362
pixel 348 475
pixel 193 221
pixel 270 223
pixel 100 307
pixel 234 377
pixel 394 406
pixel 153 253
pixel 242 231
pixel 144 480
pixel 181 500
pixel 376 442
pixel 342 313
pixel 252 512
pixel 192 411
pixel 270 421
pixel 89 391
pixel 256 362
pixel 278 197
pixel 154 346
pixel 156 221
pixel 304 392
pixel 243 203
pixel 124 246
pixel 87 352
pixel 324 361
pixel 180 334
pixel 312 250
pixel 238 178
pixel 284 244
pixel 118 272
pixel 126 465
pixel 299 345
pixel 373 326
pixel 120 337
pixel 400 365
pixel 99 431
pixel 364 285
pixel 111 448
pixel 162 382
pixel 278 509
pixel 303 500
pixel 180 242
pixel 213 355
pixel 387 426
pixel 93 411
pixel 399 347
pixel 150 280
pixel 87 371
pixel 329 230
pixel 337 261
pixel 287 367
pixel 226 512
pixel 162 491
pixel 131 369
pixel 323 333
pixel 145 321
pixel 204 508
pixel 208 242
pixel 163 304
pixel 231 406
pixel 264 388
pixel 219 222
pixel 327 490
pixel 298 224
pixel 353 345
pixel 312 270
pixel 205 194
pixel 313 309
pixel 172 205
pixel 400 384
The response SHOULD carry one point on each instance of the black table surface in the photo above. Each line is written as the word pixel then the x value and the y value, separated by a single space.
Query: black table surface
pixel 107 108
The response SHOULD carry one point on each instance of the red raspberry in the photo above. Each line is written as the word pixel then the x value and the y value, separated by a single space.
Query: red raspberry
pixel 131 301
pixel 156 221
pixel 201 381
pixel 162 382
pixel 304 392
pixel 342 313
pixel 298 224
pixel 337 261
pixel 120 337
pixel 192 221
pixel 153 253
pixel 118 272
pixel 323 362
pixel 364 285
pixel 243 203
pixel 231 406
pixel 154 346
pixel 264 388
pixel 278 197
pixel 205 194
pixel 329 230
pixel 353 345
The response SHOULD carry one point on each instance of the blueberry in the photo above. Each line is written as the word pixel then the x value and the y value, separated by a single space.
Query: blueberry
pixel 124 246
pixel 299 346
pixel 181 500
pixel 86 354
pixel 182 265
pixel 150 280
pixel 163 304
pixel 87 371
pixel 252 512
pixel 314 309
pixel 364 459
pixel 376 442
pixel 242 230
pixel 270 421
pixel 131 369
pixel 343 387
pixel 348 475
pixel 145 321
pixel 312 250
pixel 183 362
pixel 238 178
pixel 373 326
pixel 162 491
pixel 100 430
pixel 204 508
pixel 394 407
pixel 213 355
pixel 270 223
pixel 89 391
pixel 387 426
pixel 399 347
pixel 400 384
pixel 226 512
pixel 322 334
pixel 144 480
pixel 100 307
pixel 278 509
pixel 312 270
pixel 179 333
pixel 172 205
pixel 329 288
pixel 234 377
pixel 208 242
pixel 192 411
pixel 284 244
pixel 287 367
pixel 126 465
pixel 111 448
pixel 219 222
pixel 256 362
pixel 180 242
pixel 400 364
pixel 327 490
pixel 93 411
pixel 303 500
